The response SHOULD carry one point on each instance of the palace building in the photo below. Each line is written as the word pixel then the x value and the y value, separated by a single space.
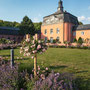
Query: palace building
pixel 63 26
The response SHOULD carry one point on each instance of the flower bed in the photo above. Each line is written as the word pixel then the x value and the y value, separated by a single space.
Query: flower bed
pixel 9 46
pixel 72 45
pixel 10 78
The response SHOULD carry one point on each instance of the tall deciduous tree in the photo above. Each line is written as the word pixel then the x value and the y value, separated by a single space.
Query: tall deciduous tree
pixel 37 26
pixel 27 26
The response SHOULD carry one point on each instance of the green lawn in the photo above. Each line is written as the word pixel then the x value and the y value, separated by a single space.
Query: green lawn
pixel 75 61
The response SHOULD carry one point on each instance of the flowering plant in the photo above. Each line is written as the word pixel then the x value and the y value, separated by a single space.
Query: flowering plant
pixel 31 47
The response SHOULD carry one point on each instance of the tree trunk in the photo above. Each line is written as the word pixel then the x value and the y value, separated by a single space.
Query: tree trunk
pixel 35 65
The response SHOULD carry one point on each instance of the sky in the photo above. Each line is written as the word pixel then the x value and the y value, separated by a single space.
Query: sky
pixel 15 10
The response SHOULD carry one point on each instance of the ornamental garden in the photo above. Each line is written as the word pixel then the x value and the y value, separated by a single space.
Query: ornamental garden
pixel 43 66
pixel 32 60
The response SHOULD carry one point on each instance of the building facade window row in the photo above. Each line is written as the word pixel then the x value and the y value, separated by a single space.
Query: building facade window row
pixel 51 39
pixel 51 31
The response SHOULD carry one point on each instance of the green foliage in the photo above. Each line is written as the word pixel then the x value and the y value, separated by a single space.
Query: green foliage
pixel 69 60
pixel 75 40
pixel 54 41
pixel 5 41
pixel 66 42
pixel 80 23
pixel 48 41
pixel 31 46
pixel 27 26
pixel 37 26
pixel 9 24
pixel 80 41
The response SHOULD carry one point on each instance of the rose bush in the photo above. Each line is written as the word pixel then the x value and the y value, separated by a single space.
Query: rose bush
pixel 31 47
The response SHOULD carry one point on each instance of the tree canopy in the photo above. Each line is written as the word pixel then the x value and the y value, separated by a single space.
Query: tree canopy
pixel 9 24
pixel 27 26
pixel 37 26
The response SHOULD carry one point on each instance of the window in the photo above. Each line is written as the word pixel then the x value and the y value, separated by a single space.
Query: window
pixel 51 39
pixel 82 33
pixel 45 31
pixel 45 39
pixel 74 33
pixel 51 31
pixel 57 38
pixel 57 31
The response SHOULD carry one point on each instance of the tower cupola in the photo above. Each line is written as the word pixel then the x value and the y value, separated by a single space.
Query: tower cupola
pixel 60 6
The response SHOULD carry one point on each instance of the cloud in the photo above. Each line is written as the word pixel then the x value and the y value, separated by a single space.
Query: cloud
pixel 88 18
pixel 89 7
pixel 36 19
pixel 81 18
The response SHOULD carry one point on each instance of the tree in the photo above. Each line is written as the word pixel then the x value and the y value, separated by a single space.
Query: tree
pixel 37 26
pixel 15 24
pixel 31 47
pixel 1 22
pixel 9 24
pixel 27 26
pixel 80 41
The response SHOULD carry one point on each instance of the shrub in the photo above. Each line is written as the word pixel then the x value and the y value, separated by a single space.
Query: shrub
pixel 80 41
pixel 54 41
pixel 11 79
pixel 5 41
pixel 8 76
pixel 55 81
pixel 48 41
pixel 75 40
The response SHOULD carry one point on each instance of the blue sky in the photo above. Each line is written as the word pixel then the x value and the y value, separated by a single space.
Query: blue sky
pixel 15 10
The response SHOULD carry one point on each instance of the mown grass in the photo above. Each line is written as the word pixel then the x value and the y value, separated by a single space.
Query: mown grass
pixel 76 61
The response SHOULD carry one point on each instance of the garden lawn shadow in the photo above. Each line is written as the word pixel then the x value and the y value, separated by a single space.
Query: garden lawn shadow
pixel 85 85
pixel 58 67
pixel 82 71
pixel 22 59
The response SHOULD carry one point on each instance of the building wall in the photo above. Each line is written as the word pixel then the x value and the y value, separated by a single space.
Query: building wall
pixel 60 26
pixel 65 31
pixel 16 38
pixel 85 36
pixel 68 31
